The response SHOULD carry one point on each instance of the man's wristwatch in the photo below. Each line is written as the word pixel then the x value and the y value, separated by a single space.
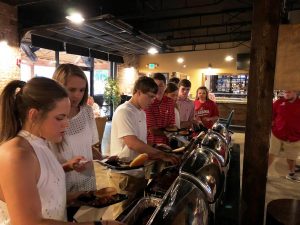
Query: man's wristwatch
pixel 97 223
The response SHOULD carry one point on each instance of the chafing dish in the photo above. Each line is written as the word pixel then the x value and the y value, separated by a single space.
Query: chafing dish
pixel 205 169
pixel 160 184
pixel 140 212
pixel 184 203
pixel 154 167
pixel 218 146
pixel 221 129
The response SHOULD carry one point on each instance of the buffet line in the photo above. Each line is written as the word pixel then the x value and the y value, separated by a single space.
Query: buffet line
pixel 189 193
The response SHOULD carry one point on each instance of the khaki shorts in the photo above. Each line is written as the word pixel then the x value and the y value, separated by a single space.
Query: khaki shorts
pixel 290 150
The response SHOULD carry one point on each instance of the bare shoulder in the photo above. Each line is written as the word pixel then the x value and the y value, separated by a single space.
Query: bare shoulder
pixel 16 150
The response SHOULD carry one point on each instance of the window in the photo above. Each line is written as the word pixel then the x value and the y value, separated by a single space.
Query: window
pixel 100 77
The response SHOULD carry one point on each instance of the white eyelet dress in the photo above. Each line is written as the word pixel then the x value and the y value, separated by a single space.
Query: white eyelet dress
pixel 51 184
pixel 79 137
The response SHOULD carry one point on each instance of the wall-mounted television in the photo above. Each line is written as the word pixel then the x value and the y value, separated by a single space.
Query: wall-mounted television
pixel 243 61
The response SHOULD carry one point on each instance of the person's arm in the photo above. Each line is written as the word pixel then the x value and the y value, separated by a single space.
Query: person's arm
pixel 19 174
pixel 140 147
pixel 74 164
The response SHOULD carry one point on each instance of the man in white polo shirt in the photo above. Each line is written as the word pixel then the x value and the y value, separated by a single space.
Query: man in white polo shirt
pixel 129 138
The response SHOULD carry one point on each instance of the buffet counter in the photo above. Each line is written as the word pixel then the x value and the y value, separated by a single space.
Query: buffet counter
pixel 231 100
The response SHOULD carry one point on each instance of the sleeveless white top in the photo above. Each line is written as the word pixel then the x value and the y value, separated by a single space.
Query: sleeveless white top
pixel 51 184
pixel 79 137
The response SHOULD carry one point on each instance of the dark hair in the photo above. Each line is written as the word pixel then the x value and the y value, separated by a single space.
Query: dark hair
pixel 171 87
pixel 175 80
pixel 202 88
pixel 185 83
pixel 18 97
pixel 65 71
pixel 159 76
pixel 145 84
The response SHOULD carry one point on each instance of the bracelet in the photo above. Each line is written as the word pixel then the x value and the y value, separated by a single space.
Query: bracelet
pixel 97 223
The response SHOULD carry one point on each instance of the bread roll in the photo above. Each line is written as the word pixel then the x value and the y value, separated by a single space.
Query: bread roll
pixel 105 192
pixel 139 160
pixel 181 149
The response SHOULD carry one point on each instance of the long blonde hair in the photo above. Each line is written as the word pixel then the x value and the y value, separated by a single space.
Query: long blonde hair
pixel 65 71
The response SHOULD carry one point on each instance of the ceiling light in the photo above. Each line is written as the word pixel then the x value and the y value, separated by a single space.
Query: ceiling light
pixel 184 66
pixel 152 51
pixel 75 18
pixel 228 58
pixel 180 60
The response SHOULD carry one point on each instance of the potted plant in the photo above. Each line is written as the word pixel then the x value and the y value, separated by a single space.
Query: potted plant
pixel 111 94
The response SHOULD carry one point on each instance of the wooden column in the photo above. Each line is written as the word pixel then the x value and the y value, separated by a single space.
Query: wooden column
pixel 265 24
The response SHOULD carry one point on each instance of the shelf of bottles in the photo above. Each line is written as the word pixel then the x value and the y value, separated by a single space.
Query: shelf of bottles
pixel 236 84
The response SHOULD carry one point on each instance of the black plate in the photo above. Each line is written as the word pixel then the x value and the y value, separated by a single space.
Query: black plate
pixel 117 164
pixel 171 131
pixel 89 199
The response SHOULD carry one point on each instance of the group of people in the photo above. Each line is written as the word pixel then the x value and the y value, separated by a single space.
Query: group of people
pixel 48 131
pixel 139 125
pixel 46 135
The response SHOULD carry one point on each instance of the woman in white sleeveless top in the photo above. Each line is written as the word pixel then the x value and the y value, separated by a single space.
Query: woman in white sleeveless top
pixel 32 182
pixel 82 133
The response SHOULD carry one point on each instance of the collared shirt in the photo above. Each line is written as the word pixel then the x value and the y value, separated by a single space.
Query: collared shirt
pixel 186 109
pixel 206 109
pixel 286 120
pixel 127 120
pixel 160 114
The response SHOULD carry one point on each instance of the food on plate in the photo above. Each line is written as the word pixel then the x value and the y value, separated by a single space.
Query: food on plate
pixel 139 160
pixel 183 132
pixel 171 129
pixel 105 192
pixel 181 149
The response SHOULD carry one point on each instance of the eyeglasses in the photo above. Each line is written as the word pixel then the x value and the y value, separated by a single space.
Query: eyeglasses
pixel 150 95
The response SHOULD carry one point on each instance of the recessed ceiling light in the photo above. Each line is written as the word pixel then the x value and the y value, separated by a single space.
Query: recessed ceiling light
pixel 75 18
pixel 152 51
pixel 180 60
pixel 228 58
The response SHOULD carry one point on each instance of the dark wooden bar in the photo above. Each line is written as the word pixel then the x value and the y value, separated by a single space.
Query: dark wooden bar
pixel 266 18
pixel 240 109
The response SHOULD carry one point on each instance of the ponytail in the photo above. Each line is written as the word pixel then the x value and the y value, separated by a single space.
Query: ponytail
pixel 18 97
pixel 9 115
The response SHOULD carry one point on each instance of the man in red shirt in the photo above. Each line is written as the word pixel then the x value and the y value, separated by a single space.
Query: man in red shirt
pixel 285 135
pixel 160 114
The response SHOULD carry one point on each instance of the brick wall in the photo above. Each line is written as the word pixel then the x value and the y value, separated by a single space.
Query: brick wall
pixel 11 52
pixel 127 74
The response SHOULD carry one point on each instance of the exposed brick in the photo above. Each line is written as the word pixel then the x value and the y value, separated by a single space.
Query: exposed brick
pixel 9 54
